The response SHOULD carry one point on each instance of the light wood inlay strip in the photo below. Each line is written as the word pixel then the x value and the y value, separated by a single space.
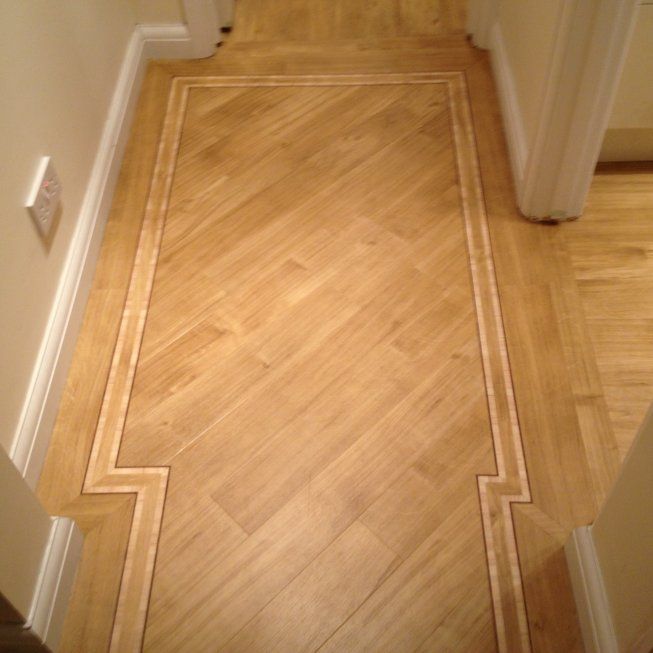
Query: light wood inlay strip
pixel 103 476
pixel 508 601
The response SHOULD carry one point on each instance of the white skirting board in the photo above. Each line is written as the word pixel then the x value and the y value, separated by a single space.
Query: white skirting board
pixel 161 42
pixel 48 379
pixel 589 593
pixel 55 584
pixel 512 118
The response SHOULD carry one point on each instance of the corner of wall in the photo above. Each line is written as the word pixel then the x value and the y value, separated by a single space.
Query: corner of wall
pixel 513 121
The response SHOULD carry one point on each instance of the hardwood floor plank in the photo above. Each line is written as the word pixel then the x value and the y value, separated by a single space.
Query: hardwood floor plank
pixel 612 259
pixel 321 598
pixel 440 579
pixel 105 521
pixel 420 500
pixel 327 427
pixel 558 451
pixel 546 582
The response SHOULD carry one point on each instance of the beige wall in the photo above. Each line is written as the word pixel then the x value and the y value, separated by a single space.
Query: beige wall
pixel 24 532
pixel 623 538
pixel 528 29
pixel 159 11
pixel 630 130
pixel 60 62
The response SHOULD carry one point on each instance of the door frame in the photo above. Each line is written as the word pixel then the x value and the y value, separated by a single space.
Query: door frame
pixel 553 173
pixel 205 20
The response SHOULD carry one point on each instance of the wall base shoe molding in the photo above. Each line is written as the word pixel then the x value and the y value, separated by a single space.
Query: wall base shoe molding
pixel 48 379
pixel 589 592
pixel 55 583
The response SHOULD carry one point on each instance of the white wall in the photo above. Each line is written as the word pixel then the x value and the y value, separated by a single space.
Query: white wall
pixel 528 28
pixel 528 31
pixel 60 62
pixel 24 533
pixel 623 539
pixel 630 130
pixel 556 65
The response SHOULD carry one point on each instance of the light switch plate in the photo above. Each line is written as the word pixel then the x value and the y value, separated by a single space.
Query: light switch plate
pixel 45 196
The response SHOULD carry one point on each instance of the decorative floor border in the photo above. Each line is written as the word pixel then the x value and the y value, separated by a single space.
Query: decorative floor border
pixel 496 493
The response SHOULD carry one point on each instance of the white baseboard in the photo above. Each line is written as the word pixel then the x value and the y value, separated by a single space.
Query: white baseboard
pixel 53 361
pixel 166 41
pixel 589 593
pixel 55 583
pixel 512 118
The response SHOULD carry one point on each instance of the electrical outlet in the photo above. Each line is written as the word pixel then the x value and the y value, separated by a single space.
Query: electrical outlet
pixel 45 196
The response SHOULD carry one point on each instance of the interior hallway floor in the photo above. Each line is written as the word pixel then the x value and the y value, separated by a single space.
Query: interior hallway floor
pixel 332 392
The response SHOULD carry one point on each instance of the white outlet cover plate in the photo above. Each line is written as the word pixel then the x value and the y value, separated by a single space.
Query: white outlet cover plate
pixel 45 196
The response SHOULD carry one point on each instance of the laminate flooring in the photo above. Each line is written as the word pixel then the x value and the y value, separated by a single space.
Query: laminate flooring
pixel 332 392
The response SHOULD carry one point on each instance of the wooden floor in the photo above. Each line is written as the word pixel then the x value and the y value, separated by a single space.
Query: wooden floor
pixel 332 392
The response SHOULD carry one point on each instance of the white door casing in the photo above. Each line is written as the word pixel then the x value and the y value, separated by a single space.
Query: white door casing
pixel 481 16
pixel 225 12
pixel 205 20
pixel 591 43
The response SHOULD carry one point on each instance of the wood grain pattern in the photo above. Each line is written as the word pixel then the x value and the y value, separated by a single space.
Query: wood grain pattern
pixel 611 257
pixel 281 293
pixel 389 105
pixel 265 474
pixel 103 476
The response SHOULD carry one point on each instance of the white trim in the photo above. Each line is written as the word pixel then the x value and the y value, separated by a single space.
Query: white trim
pixel 513 122
pixel 589 52
pixel 481 17
pixel 203 25
pixel 166 41
pixel 54 586
pixel 226 10
pixel 553 170
pixel 48 378
pixel 589 592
